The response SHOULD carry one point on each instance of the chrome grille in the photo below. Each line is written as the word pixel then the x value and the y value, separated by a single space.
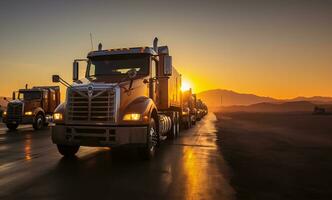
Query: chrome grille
pixel 14 111
pixel 99 106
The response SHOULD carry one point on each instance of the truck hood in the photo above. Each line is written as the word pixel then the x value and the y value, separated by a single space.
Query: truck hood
pixel 28 105
pixel 16 101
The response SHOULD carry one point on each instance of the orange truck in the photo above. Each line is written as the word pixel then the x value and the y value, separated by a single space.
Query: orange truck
pixel 128 97
pixel 201 109
pixel 188 117
pixel 32 106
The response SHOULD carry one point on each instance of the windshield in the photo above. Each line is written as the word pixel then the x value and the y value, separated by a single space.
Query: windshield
pixel 118 65
pixel 29 95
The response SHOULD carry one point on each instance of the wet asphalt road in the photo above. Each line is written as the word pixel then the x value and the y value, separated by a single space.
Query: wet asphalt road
pixel 190 167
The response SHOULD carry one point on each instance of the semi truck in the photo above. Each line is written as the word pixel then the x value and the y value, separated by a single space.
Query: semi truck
pixel 201 109
pixel 128 97
pixel 188 109
pixel 32 106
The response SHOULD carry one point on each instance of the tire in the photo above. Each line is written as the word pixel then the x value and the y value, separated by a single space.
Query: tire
pixel 12 127
pixel 38 122
pixel 193 122
pixel 68 151
pixel 186 125
pixel 173 133
pixel 147 152
pixel 45 125
pixel 189 123
pixel 177 124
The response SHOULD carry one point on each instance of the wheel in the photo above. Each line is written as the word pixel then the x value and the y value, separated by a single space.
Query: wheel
pixel 149 149
pixel 68 151
pixel 12 127
pixel 173 132
pixel 193 122
pixel 177 124
pixel 45 124
pixel 38 122
pixel 186 125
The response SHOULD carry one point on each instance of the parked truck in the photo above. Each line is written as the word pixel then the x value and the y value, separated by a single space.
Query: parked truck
pixel 188 117
pixel 200 111
pixel 128 97
pixel 32 106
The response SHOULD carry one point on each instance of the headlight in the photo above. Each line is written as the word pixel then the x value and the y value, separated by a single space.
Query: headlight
pixel 57 116
pixel 28 113
pixel 132 117
pixel 4 113
pixel 184 113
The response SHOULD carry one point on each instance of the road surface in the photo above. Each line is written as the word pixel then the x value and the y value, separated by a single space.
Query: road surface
pixel 190 167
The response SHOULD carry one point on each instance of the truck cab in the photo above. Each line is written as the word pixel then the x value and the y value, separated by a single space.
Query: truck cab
pixel 127 97
pixel 32 106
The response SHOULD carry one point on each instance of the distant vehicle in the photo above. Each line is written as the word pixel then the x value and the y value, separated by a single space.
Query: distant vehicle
pixel 129 96
pixel 201 109
pixel 188 117
pixel 319 111
pixel 32 106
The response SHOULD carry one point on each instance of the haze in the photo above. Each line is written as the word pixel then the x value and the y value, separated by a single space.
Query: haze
pixel 280 49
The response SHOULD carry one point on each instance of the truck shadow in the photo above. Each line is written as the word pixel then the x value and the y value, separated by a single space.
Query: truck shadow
pixel 120 175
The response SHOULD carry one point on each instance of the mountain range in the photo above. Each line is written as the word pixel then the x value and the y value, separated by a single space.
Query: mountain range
pixel 220 97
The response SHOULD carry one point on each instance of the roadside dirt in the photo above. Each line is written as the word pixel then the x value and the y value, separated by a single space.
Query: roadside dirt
pixel 277 156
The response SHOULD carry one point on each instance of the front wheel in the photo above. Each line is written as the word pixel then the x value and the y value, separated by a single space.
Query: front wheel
pixel 12 127
pixel 148 151
pixel 68 151
pixel 39 122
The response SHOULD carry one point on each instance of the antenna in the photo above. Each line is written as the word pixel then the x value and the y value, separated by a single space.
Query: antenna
pixel 91 41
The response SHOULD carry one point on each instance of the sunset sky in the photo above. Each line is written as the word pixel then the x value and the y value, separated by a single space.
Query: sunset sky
pixel 272 48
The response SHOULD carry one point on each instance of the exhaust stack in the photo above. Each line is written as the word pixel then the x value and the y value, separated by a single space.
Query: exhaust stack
pixel 155 44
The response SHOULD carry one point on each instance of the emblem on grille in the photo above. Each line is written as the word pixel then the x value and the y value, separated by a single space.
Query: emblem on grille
pixel 90 91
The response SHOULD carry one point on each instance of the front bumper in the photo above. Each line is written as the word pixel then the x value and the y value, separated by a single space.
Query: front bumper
pixel 18 120
pixel 99 135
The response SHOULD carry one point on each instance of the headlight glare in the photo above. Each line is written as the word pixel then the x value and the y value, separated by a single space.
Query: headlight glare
pixel 28 113
pixel 57 116
pixel 132 117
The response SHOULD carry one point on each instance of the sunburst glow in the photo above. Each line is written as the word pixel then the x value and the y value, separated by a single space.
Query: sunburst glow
pixel 185 85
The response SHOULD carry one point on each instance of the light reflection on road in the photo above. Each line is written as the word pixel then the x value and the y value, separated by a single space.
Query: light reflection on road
pixel 185 168
pixel 27 148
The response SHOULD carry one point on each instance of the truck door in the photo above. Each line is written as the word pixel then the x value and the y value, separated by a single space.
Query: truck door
pixel 51 101
pixel 45 101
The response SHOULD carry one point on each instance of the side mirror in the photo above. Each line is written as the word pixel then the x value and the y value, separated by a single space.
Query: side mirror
pixel 131 75
pixel 168 66
pixel 55 78
pixel 13 96
pixel 75 71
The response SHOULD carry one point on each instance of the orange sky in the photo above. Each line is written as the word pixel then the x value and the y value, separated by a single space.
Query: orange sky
pixel 268 48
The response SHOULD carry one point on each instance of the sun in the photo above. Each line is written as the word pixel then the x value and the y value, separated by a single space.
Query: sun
pixel 185 86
